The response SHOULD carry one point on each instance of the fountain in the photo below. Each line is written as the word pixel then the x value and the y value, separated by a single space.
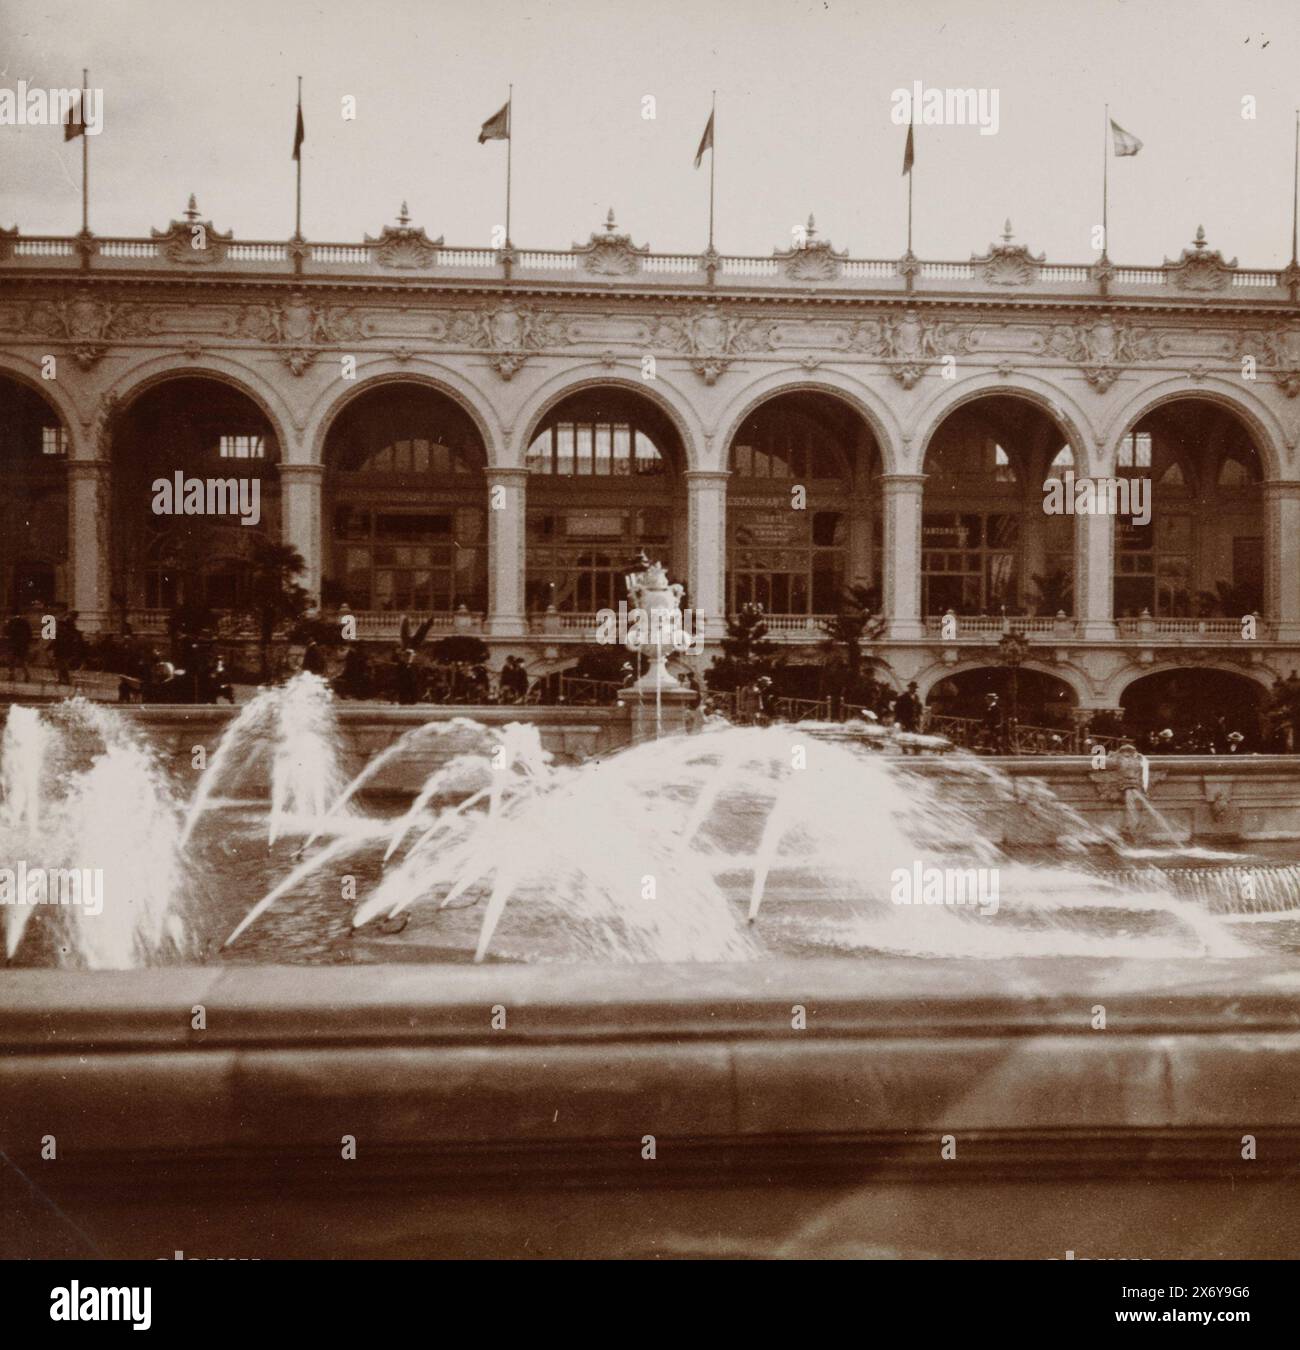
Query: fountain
pixel 732 845
pixel 527 968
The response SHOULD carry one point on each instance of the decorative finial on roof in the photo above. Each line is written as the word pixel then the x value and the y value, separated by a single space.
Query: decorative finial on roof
pixel 192 209
pixel 403 216
pixel 610 226
pixel 1199 241
pixel 812 225
pixel 1006 231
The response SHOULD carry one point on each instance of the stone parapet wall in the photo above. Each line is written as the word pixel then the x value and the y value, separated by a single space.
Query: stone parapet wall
pixel 531 1138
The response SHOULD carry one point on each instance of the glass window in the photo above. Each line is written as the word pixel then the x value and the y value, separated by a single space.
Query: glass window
pixel 598 447
pixel 241 447
pixel 1135 450
pixel 970 563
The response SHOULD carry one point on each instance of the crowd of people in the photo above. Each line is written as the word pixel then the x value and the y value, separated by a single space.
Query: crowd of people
pixel 193 670
pixel 406 679
pixel 67 646
pixel 198 674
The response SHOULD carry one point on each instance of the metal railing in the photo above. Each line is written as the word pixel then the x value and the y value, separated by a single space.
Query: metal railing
pixel 1016 738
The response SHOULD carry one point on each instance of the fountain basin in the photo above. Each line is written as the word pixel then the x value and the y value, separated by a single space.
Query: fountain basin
pixel 528 1138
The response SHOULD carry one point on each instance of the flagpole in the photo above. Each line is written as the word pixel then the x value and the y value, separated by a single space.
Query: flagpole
pixel 510 145
pixel 1295 187
pixel 297 217
pixel 85 156
pixel 911 170
pixel 713 159
pixel 1105 187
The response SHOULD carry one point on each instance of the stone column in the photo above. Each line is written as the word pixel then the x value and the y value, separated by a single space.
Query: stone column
pixel 860 541
pixel 1282 559
pixel 903 554
pixel 89 553
pixel 706 566
pixel 507 501
pixel 300 520
pixel 1094 576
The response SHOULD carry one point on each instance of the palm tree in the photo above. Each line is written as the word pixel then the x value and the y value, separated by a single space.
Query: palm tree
pixel 855 622
pixel 274 597
pixel 747 651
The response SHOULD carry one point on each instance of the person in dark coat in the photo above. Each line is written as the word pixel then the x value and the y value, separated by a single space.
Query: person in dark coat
pixel 354 679
pixel 18 636
pixel 313 658
pixel 907 709
pixel 69 648
pixel 513 681
pixel 408 677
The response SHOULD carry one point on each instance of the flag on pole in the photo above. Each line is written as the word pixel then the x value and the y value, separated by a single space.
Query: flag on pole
pixel 299 135
pixel 497 127
pixel 74 124
pixel 706 142
pixel 909 152
pixel 1125 142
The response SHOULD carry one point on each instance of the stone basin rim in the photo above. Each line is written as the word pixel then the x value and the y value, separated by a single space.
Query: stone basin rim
pixel 877 997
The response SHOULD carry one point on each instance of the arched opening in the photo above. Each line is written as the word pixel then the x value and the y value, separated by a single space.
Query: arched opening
pixel 1032 698
pixel 804 518
pixel 405 506
pixel 1199 552
pixel 33 501
pixel 988 545
pixel 604 485
pixel 195 486
pixel 1201 706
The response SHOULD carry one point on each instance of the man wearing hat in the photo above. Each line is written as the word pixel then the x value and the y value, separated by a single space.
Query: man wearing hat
pixel 907 709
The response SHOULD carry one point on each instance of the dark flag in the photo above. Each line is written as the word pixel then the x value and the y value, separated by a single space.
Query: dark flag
pixel 75 123
pixel 299 135
pixel 909 152
pixel 706 142
pixel 497 127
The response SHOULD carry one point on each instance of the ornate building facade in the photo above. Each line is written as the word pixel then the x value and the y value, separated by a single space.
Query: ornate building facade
pixel 491 435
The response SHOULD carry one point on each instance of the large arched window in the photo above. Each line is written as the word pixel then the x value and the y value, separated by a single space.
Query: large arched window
pixel 603 487
pixel 1201 552
pixel 790 505
pixel 33 500
pixel 988 543
pixel 405 504
pixel 171 549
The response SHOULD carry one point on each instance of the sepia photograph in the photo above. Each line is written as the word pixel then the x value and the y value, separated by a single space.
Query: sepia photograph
pixel 649 632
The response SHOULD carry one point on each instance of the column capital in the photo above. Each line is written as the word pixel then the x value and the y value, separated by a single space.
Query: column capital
pixel 506 473
pixel 707 475
pixel 306 473
pixel 1281 487
pixel 895 481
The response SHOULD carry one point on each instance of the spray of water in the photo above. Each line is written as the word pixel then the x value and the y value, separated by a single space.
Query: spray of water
pixel 711 847
pixel 81 793
pixel 294 727
pixel 778 816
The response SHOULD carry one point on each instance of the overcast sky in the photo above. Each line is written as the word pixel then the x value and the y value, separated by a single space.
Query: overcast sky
pixel 200 98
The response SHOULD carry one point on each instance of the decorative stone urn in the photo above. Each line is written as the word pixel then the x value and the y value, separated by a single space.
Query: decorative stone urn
pixel 657 625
